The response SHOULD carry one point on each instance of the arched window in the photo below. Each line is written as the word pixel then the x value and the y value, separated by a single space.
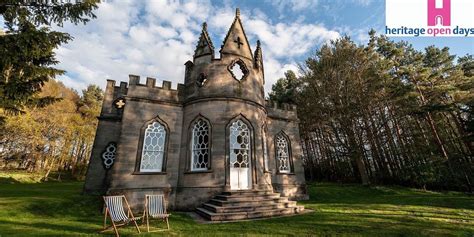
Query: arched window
pixel 239 145
pixel 200 146
pixel 282 152
pixel 265 151
pixel 153 148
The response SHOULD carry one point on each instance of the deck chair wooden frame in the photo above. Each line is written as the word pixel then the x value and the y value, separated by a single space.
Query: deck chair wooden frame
pixel 155 207
pixel 115 209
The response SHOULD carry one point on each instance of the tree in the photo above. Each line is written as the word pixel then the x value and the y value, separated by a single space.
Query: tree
pixel 91 102
pixel 284 90
pixel 27 48
pixel 56 137
pixel 385 113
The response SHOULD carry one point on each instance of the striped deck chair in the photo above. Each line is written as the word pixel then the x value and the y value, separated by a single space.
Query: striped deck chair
pixel 155 207
pixel 115 209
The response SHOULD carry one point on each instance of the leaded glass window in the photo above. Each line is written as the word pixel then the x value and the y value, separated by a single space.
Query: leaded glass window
pixel 265 151
pixel 200 145
pixel 282 154
pixel 153 148
pixel 239 145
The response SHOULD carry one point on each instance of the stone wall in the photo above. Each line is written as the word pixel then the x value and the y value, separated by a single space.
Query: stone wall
pixel 284 119
pixel 196 187
pixel 108 130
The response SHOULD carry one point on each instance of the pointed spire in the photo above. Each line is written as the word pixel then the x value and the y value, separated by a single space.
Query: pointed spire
pixel 235 41
pixel 258 56
pixel 258 61
pixel 204 46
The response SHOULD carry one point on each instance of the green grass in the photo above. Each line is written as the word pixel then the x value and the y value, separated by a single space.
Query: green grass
pixel 12 177
pixel 58 208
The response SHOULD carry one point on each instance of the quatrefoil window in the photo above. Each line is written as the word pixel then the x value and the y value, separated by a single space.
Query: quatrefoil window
pixel 238 69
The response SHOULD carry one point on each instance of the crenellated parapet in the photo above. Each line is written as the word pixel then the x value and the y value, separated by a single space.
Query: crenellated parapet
pixel 115 97
pixel 283 111
pixel 112 93
pixel 151 92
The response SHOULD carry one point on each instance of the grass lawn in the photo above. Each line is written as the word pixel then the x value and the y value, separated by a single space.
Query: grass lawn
pixel 58 208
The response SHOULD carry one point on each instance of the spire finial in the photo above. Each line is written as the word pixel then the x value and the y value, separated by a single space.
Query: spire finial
pixel 258 43
pixel 237 12
pixel 204 26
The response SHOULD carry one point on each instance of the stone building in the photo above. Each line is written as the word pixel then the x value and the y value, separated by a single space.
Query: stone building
pixel 214 134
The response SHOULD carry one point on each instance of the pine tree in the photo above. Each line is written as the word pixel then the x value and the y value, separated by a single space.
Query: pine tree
pixel 27 48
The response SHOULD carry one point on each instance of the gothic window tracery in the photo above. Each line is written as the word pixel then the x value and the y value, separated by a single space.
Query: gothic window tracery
pixel 282 152
pixel 265 151
pixel 239 144
pixel 200 146
pixel 153 148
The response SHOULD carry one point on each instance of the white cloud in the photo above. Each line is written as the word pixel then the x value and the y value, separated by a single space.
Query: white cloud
pixel 155 38
pixel 275 70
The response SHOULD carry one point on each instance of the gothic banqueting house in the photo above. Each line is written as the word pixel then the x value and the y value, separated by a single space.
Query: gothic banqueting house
pixel 213 144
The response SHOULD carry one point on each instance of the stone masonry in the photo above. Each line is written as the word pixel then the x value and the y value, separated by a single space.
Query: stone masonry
pixel 220 92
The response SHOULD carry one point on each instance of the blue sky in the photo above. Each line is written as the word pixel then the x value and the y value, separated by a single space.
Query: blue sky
pixel 352 17
pixel 155 38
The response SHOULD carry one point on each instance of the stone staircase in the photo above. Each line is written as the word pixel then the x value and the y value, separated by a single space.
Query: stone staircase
pixel 247 204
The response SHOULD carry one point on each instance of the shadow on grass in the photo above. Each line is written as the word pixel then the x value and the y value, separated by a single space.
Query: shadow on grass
pixel 356 194
pixel 60 209
pixel 46 227
pixel 76 206
pixel 320 224
pixel 8 180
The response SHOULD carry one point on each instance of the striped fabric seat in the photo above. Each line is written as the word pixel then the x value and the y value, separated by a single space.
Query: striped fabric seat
pixel 116 208
pixel 155 207
pixel 119 212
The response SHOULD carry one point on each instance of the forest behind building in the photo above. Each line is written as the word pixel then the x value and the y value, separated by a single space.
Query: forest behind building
pixel 381 113
pixel 385 113
pixel 57 137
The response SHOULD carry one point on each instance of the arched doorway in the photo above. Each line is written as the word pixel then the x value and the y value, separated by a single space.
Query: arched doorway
pixel 240 156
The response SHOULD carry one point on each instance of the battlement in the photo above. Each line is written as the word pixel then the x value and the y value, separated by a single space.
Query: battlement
pixel 134 80
pixel 147 91
pixel 281 111
pixel 134 90
pixel 269 104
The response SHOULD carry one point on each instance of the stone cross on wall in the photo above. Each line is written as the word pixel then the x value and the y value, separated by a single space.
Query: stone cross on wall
pixel 238 42
pixel 120 104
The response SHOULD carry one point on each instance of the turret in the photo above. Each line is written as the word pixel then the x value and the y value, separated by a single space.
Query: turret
pixel 235 75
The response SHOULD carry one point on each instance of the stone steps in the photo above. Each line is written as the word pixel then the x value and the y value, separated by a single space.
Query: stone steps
pixel 250 208
pixel 246 192
pixel 212 216
pixel 248 204
pixel 219 202
pixel 242 198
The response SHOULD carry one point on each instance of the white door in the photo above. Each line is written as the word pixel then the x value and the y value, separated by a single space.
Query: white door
pixel 239 178
pixel 239 157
